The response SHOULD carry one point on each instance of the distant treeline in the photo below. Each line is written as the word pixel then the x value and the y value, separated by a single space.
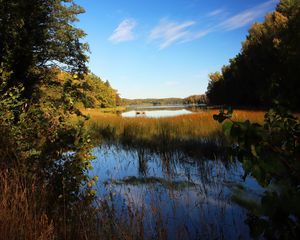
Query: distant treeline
pixel 268 66
pixel 194 99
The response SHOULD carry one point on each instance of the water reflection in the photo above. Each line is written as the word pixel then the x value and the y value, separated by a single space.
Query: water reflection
pixel 189 196
pixel 162 111
pixel 156 113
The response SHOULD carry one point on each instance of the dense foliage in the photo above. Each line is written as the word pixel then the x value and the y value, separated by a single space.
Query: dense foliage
pixel 270 153
pixel 43 156
pixel 88 92
pixel 196 99
pixel 266 73
pixel 37 35
pixel 267 67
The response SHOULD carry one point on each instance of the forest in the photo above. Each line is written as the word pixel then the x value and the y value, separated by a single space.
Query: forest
pixel 51 143
pixel 87 92
pixel 267 67
pixel 194 99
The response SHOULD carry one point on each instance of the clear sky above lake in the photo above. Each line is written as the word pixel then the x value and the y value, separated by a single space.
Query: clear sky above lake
pixel 165 48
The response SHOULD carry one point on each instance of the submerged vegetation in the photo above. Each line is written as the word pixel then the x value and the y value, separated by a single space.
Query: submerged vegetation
pixel 132 180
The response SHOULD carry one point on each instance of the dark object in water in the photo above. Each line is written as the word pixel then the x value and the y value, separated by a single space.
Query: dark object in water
pixel 140 113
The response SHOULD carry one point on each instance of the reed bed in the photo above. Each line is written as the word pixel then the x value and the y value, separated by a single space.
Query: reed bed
pixel 21 217
pixel 26 213
pixel 181 128
pixel 186 133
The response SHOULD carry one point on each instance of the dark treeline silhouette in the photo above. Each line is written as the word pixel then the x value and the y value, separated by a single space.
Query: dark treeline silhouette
pixel 267 67
pixel 152 101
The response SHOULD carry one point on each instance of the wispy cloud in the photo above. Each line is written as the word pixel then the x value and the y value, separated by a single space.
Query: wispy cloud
pixel 124 32
pixel 215 12
pixel 246 17
pixel 169 32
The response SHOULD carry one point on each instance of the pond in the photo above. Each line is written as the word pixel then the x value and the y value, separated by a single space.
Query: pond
pixel 161 111
pixel 186 196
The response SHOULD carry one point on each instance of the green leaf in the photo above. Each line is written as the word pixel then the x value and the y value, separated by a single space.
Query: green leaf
pixel 227 128
pixel 253 151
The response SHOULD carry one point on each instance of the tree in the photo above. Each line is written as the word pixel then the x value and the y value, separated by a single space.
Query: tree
pixel 196 99
pixel 213 88
pixel 267 66
pixel 37 35
pixel 270 153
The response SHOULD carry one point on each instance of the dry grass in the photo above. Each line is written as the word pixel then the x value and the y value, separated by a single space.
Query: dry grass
pixel 20 216
pixel 24 212
pixel 198 125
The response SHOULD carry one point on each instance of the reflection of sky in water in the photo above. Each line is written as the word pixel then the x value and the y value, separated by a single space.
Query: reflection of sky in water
pixel 203 208
pixel 157 113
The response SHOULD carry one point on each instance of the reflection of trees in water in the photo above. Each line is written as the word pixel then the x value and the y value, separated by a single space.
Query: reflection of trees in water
pixel 167 163
pixel 173 162
pixel 142 162
pixel 188 190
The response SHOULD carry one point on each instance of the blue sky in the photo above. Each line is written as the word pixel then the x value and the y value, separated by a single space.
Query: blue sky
pixel 165 48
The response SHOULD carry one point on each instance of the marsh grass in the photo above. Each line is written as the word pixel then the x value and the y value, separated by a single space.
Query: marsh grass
pixel 129 223
pixel 143 213
pixel 24 213
pixel 21 217
pixel 182 127
pixel 192 133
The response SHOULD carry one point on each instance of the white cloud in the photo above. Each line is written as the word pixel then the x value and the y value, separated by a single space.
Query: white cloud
pixel 169 32
pixel 215 13
pixel 246 17
pixel 124 32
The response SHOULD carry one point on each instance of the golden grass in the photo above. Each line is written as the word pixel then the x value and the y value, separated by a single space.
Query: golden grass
pixel 24 212
pixel 197 125
pixel 20 216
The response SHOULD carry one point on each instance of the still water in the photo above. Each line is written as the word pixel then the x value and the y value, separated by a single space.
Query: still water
pixel 156 113
pixel 161 111
pixel 190 197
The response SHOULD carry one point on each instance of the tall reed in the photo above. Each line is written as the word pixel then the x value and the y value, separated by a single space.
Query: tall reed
pixel 21 216
pixel 194 131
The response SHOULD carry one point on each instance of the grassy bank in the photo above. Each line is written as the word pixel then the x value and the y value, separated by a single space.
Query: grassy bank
pixel 94 112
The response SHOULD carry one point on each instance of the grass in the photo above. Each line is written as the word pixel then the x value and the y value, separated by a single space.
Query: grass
pixel 186 126
pixel 194 132
pixel 20 215
pixel 136 181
